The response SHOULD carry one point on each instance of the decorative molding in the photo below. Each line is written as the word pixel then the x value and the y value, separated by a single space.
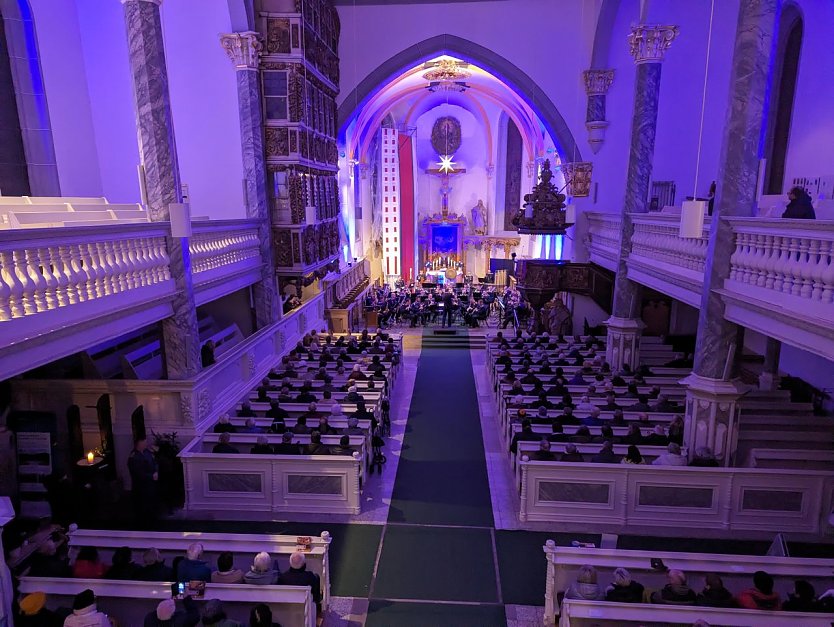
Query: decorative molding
pixel 596 134
pixel 156 2
pixel 578 178
pixel 597 82
pixel 242 48
pixel 648 43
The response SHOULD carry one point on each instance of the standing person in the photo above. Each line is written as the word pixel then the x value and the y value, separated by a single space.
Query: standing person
pixel 448 308
pixel 144 474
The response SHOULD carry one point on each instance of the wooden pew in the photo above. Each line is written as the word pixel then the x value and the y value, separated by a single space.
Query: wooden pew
pixel 243 547
pixel 563 564
pixel 130 601
pixel 581 613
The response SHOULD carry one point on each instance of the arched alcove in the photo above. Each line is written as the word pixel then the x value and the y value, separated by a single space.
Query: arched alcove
pixel 471 52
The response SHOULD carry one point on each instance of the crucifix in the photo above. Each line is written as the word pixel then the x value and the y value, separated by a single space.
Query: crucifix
pixel 446 169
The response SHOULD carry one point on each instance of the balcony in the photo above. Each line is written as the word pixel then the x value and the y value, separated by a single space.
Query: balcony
pixel 781 280
pixel 64 289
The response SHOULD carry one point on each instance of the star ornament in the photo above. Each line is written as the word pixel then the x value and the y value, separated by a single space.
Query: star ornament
pixel 446 164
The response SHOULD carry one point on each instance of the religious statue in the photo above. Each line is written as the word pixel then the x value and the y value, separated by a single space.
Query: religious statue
pixel 479 218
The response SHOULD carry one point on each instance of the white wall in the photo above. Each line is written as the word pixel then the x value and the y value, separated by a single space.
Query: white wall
pixel 681 94
pixel 83 46
pixel 549 41
pixel 68 98
pixel 811 146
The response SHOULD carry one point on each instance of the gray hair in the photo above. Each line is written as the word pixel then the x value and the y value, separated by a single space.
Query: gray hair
pixel 262 562
pixel 674 448
pixel 587 574
pixel 621 577
pixel 195 551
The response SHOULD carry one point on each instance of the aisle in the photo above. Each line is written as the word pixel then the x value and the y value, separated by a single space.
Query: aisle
pixel 437 563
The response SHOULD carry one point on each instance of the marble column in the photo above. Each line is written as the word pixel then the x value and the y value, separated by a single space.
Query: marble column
pixel 597 83
pixel 735 196
pixel 648 44
pixel 157 150
pixel 243 50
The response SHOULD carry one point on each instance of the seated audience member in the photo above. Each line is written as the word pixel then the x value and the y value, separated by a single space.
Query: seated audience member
pixel 315 447
pixel 715 594
pixel 525 435
pixel 166 614
pixel 154 567
pixel 261 616
pixel 606 434
pixel 593 420
pixel 262 447
pixel 631 391
pixel 606 454
pixel 585 405
pixel 193 567
pixel 542 401
pixel 246 410
pixel 610 402
pixel 618 418
pixel 298 575
pixel 672 457
pixel 353 427
pixel 301 427
pixel 34 613
pixel 543 454
pixel 251 427
pixel 577 379
pixel 226 571
pixel 343 447
pixel 224 426
pixel 586 586
pixel 85 613
pixel 541 417
pixel 642 404
pixel 567 417
pixel 286 446
pixel 223 445
pixel 557 433
pixel 213 615
pixel 276 412
pixel 284 395
pixel 654 393
pixel 123 567
pixel 305 395
pixel 761 596
pixel 675 592
pixel 634 435
pixel 353 395
pixel 324 427
pixel 623 589
pixel 633 456
pixel 87 564
pixel 263 394
pixel 656 437
pixel 48 561
pixel 571 454
pixel 704 457
pixel 337 412
pixel 676 430
pixel 664 405
pixel 802 599
pixel 356 374
pixel 582 435
pixel 261 572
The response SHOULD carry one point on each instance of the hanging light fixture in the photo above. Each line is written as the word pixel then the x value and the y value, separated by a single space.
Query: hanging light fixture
pixel 447 75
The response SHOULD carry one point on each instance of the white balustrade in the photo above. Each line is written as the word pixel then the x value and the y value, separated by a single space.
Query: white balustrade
pixel 656 237
pixel 788 260
pixel 46 269
pixel 221 244
pixel 603 239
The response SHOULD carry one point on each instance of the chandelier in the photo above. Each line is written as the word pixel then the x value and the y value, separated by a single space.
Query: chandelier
pixel 447 75
pixel 544 208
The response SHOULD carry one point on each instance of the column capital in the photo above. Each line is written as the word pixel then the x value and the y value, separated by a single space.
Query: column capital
pixel 578 178
pixel 597 82
pixel 156 2
pixel 648 42
pixel 243 49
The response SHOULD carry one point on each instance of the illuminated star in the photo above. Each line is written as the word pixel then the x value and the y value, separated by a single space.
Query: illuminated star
pixel 446 164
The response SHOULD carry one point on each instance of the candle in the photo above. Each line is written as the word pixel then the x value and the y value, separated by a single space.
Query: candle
pixel 90 457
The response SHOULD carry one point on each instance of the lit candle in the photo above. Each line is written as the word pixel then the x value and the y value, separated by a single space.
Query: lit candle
pixel 90 457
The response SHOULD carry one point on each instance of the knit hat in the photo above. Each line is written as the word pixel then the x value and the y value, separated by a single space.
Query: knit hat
pixel 83 599
pixel 33 603
pixel 165 610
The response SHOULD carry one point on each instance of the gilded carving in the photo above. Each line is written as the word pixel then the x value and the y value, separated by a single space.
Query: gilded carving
pixel 283 248
pixel 578 178
pixel 242 48
pixel 278 35
pixel 597 82
pixel 446 135
pixel 648 43
pixel 277 142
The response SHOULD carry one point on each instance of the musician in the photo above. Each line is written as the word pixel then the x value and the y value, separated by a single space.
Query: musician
pixel 448 308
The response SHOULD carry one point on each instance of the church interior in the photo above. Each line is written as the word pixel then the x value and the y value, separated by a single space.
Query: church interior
pixel 416 313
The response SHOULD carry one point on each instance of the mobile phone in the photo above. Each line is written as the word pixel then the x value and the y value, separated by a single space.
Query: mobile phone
pixel 657 564
pixel 177 590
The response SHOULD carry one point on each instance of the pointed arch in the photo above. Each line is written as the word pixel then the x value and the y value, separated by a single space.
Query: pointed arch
pixel 476 54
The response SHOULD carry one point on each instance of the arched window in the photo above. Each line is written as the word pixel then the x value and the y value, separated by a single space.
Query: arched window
pixel 785 73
